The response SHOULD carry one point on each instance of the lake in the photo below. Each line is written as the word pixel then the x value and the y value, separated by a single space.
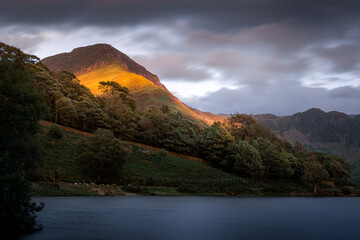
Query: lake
pixel 223 218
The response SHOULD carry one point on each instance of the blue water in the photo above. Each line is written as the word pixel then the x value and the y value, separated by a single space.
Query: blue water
pixel 223 218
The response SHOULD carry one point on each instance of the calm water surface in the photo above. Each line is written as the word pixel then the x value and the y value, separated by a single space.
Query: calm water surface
pixel 223 218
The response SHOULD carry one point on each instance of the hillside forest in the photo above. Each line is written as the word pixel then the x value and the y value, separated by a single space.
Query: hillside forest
pixel 29 91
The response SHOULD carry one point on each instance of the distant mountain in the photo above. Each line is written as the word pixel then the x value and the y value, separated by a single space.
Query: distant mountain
pixel 103 62
pixel 332 132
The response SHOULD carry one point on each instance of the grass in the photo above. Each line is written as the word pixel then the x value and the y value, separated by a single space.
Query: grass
pixel 143 167
pixel 39 189
pixel 59 161
pixel 145 172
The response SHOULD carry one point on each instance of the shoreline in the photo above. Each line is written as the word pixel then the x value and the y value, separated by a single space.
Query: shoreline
pixel 58 189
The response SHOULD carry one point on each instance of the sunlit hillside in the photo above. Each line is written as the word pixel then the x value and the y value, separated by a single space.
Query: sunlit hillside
pixel 145 92
pixel 103 62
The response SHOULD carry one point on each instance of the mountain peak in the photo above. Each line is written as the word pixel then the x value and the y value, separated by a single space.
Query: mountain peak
pixel 85 59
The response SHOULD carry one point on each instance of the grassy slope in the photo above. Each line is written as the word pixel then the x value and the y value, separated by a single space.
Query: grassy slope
pixel 143 166
pixel 174 175
pixel 145 92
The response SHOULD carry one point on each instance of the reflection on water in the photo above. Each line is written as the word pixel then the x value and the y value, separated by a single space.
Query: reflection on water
pixel 225 218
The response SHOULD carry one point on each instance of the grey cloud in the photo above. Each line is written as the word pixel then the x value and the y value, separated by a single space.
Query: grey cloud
pixel 279 100
pixel 174 67
pixel 257 71
pixel 345 92
pixel 344 58
pixel 26 42
pixel 285 66
pixel 203 38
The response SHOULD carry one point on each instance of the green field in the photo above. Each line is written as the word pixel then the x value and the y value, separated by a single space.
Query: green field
pixel 60 189
pixel 143 167
pixel 145 172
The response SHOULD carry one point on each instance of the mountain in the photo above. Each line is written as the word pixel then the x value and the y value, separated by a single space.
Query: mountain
pixel 97 56
pixel 332 132
pixel 103 62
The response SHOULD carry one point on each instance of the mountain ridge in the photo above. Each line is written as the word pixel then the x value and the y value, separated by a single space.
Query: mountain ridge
pixel 103 62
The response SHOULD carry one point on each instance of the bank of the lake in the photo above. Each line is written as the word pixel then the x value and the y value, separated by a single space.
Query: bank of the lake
pixel 139 217
pixel 284 189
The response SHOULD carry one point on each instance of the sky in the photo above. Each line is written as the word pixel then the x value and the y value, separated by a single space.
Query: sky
pixel 222 56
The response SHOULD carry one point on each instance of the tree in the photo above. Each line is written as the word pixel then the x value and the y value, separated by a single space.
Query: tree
pixel 21 106
pixel 111 87
pixel 55 132
pixel 65 111
pixel 123 117
pixel 102 155
pixel 238 123
pixel 154 125
pixel 247 160
pixel 216 144
pixel 17 211
pixel 337 167
pixel 276 162
pixel 314 173
pixel 181 135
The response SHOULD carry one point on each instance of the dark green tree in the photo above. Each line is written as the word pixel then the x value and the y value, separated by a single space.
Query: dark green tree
pixel 21 106
pixel 277 162
pixel 247 160
pixel 315 173
pixel 101 156
pixel 337 168
pixel 216 144
pixel 55 132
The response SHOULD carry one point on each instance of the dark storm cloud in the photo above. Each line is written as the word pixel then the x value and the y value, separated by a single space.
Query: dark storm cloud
pixel 220 15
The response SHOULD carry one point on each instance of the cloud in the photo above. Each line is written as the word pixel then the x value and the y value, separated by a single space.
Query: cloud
pixel 253 56
pixel 175 67
pixel 224 14
pixel 345 93
pixel 344 58
pixel 278 100
pixel 26 42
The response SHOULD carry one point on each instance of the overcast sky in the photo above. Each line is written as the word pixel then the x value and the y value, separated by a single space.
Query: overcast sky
pixel 247 56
